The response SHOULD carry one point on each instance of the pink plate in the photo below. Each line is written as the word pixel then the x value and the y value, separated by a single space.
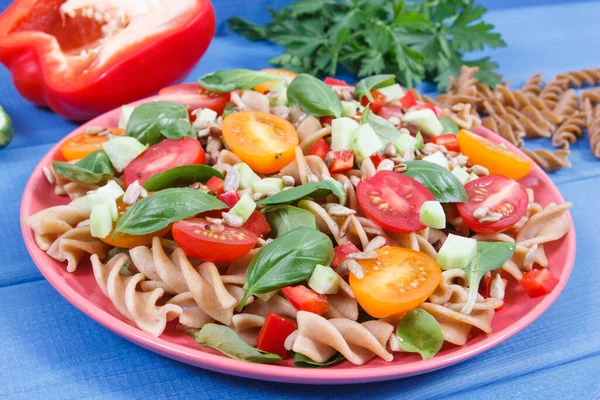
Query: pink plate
pixel 81 290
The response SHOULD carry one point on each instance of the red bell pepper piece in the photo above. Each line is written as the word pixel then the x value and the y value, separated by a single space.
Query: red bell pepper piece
pixel 216 184
pixel 340 253
pixel 81 61
pixel 257 224
pixel 305 299
pixel 326 120
pixel 230 198
pixel 321 148
pixel 377 158
pixel 343 160
pixel 448 140
pixel 273 333
pixel 335 82
pixel 538 282
pixel 389 111
pixel 378 101
pixel 408 100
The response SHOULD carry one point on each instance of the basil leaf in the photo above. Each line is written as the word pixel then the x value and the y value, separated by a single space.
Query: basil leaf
pixel 314 97
pixel 91 169
pixel 419 332
pixel 179 129
pixel 228 342
pixel 364 86
pixel 301 361
pixel 234 79
pixel 150 121
pixel 313 189
pixel 181 176
pixel 383 128
pixel 284 218
pixel 445 187
pixel 490 257
pixel 158 210
pixel 118 250
pixel 419 145
pixel 289 259
pixel 449 126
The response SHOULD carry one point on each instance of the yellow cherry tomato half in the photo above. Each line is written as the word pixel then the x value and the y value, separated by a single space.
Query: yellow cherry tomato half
pixel 265 87
pixel 82 145
pixel 264 141
pixel 497 159
pixel 398 281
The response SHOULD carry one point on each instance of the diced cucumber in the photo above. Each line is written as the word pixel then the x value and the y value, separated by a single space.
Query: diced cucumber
pixel 281 99
pixel 420 142
pixel 461 173
pixel 100 221
pixel 365 143
pixel 426 120
pixel 266 296
pixel 341 133
pixel 324 280
pixel 268 185
pixel 472 177
pixel 93 200
pixel 244 207
pixel 449 126
pixel 437 158
pixel 392 93
pixel 121 150
pixel 349 109
pixel 432 215
pixel 207 115
pixel 80 202
pixel 457 252
pixel 126 112
pixel 6 128
pixel 404 143
pixel 247 176
pixel 111 188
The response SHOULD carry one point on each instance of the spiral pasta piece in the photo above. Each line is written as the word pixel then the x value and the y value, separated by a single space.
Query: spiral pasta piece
pixel 582 77
pixel 567 104
pixel 503 129
pixel 550 160
pixel 534 84
pixel 49 224
pixel 569 131
pixel 247 326
pixel 74 244
pixel 551 94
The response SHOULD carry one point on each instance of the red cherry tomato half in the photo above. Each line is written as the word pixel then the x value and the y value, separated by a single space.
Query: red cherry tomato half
pixel 449 141
pixel 195 96
pixel 498 194
pixel 340 253
pixel 393 201
pixel 377 158
pixel 538 282
pixel 389 111
pixel 378 101
pixel 335 82
pixel 208 242
pixel 408 100
pixel 305 299
pixel 230 198
pixel 216 184
pixel 162 156
pixel 321 148
pixel 273 333
pixel 343 161
pixel 257 224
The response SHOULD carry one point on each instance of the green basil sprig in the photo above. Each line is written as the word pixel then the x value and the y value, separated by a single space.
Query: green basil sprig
pixel 151 122
pixel 490 257
pixel 313 189
pixel 289 259
pixel 228 342
pixel 445 187
pixel 91 169
pixel 158 210
pixel 314 97
pixel 419 332
pixel 284 218
pixel 449 126
pixel 301 361
pixel 364 86
pixel 181 176
pixel 234 79
pixel 383 128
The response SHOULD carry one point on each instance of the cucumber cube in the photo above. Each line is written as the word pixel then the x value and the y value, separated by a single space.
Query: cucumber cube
pixel 126 112
pixel 341 133
pixel 207 115
pixel 111 188
pixel 472 177
pixel 100 221
pixel 268 185
pixel 432 215
pixel 461 173
pixel 94 199
pixel 324 280
pixel 247 176
pixel 457 252
pixel 244 207
pixel 80 202
pixel 392 93
pixel 404 143
pixel 449 126
pixel 349 109
pixel 281 99
pixel 437 158
pixel 426 120
pixel 121 150
pixel 365 143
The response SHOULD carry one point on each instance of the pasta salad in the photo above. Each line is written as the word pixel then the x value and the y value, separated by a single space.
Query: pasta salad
pixel 272 215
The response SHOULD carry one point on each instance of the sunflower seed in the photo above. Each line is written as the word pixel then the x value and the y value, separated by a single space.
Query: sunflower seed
pixel 480 170
pixel 258 196
pixel 491 217
pixel 530 258
pixel 232 180
pixel 214 220
pixel 345 226
pixel 48 175
pixel 232 219
pixel 394 120
pixel 365 255
pixel 375 243
pixel 480 212
pixel 390 150
pixel 94 130
pixel 354 268
pixel 400 168
pixel 355 180
pixel 288 180
pixel 340 211
pixel 386 165
pixel 132 193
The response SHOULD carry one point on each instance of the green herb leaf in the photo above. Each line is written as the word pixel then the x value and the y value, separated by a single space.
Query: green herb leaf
pixel 158 210
pixel 313 189
pixel 301 361
pixel 284 218
pixel 118 250
pixel 248 29
pixel 151 122
pixel 385 130
pixel 289 259
pixel 449 126
pixel 364 86
pixel 314 97
pixel 228 342
pixel 179 129
pixel 91 169
pixel 181 176
pixel 419 332
pixel 234 79
pixel 445 187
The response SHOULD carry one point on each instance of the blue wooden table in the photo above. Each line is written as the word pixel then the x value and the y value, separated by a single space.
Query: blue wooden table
pixel 50 350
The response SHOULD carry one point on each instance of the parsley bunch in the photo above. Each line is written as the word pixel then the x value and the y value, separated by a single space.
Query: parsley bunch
pixel 412 40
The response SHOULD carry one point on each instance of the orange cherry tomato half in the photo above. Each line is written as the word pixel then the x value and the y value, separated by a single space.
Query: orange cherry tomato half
pixel 398 281
pixel 82 145
pixel 264 141
pixel 195 96
pixel 265 87
pixel 497 159
pixel 204 241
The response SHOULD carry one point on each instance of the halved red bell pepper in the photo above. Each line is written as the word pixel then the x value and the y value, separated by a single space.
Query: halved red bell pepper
pixel 320 149
pixel 84 57
pixel 273 333
pixel 305 299
pixel 538 282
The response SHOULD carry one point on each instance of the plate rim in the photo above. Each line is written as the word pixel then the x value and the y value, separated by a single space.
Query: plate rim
pixel 276 373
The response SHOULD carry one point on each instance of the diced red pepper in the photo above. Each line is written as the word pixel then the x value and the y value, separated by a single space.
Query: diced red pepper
pixel 408 100
pixel 230 198
pixel 273 333
pixel 538 282
pixel 326 120
pixel 335 82
pixel 377 158
pixel 257 224
pixel 321 148
pixel 378 101
pixel 421 105
pixel 340 253
pixel 389 111
pixel 343 160
pixel 448 140
pixel 216 184
pixel 305 299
